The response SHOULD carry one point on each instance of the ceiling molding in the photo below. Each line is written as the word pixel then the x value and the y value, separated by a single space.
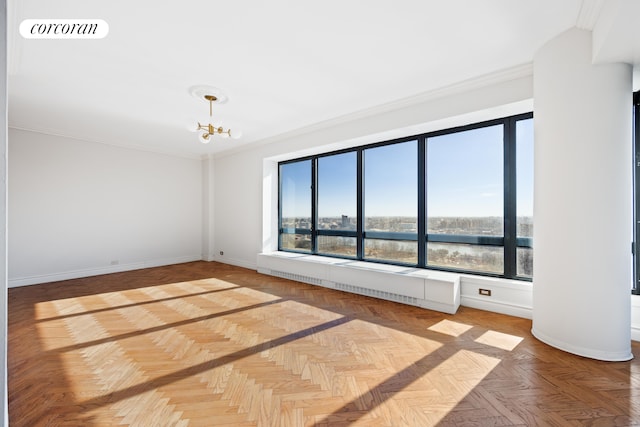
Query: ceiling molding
pixel 502 76
pixel 616 36
pixel 125 145
pixel 589 13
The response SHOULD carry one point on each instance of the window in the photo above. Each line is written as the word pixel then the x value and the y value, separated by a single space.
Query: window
pixel 391 202
pixel 524 197
pixel 465 200
pixel 295 206
pixel 458 199
pixel 337 204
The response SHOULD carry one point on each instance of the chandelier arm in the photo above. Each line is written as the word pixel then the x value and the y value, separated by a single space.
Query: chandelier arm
pixel 209 129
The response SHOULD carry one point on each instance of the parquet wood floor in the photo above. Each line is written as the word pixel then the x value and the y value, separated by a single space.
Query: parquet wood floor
pixel 208 344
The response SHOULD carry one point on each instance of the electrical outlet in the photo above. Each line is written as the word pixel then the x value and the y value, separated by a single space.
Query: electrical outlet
pixel 485 292
pixel 221 252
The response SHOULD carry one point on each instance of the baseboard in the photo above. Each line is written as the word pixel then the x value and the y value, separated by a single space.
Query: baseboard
pixel 608 356
pixel 234 261
pixel 76 274
pixel 497 306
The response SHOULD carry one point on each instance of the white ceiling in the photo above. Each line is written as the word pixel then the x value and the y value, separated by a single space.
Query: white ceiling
pixel 284 64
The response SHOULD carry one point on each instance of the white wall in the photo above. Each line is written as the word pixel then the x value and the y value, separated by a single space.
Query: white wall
pixel 78 208
pixel 238 209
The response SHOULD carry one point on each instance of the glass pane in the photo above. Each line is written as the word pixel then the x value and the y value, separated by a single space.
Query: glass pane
pixel 524 177
pixel 466 257
pixel 295 194
pixel 525 262
pixel 391 250
pixel 337 187
pixel 298 242
pixel 465 186
pixel 337 245
pixel 295 203
pixel 391 188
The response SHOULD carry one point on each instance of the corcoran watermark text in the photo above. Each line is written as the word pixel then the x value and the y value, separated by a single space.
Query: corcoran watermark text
pixel 64 28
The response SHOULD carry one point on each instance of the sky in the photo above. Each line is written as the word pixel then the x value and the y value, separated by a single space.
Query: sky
pixel 465 173
pixel 464 177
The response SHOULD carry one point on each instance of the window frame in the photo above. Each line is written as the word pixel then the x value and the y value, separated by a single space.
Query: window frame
pixel 509 240
pixel 389 235
pixel 317 231
pixel 295 230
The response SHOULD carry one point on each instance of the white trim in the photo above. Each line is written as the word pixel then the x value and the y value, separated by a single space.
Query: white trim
pixel 465 86
pixel 589 14
pixel 503 307
pixel 581 351
pixel 76 274
pixel 234 261
pixel 129 146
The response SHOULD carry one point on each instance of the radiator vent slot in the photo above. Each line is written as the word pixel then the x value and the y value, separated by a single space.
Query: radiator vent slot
pixel 377 294
pixel 297 277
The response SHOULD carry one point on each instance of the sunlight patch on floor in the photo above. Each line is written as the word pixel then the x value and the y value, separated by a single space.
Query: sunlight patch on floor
pixel 453 381
pixel 449 327
pixel 499 340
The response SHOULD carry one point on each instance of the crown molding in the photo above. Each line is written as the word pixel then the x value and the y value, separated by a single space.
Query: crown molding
pixel 129 146
pixel 501 76
pixel 589 14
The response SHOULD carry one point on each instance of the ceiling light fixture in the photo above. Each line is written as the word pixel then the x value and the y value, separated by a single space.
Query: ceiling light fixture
pixel 208 130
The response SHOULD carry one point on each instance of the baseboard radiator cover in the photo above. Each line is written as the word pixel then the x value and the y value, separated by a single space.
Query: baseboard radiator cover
pixel 389 296
pixel 440 292
pixel 292 276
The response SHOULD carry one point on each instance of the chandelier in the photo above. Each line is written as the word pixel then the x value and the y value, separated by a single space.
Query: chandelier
pixel 207 131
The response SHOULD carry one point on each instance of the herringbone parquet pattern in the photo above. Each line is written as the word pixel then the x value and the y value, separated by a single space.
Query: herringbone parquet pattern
pixel 207 344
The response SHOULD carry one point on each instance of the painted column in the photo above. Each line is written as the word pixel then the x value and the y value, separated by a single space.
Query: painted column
pixel 582 200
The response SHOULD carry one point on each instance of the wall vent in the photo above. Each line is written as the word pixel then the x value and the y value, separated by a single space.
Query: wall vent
pixel 377 294
pixel 297 277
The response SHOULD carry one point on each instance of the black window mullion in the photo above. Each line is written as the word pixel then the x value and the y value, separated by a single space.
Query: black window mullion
pixel 279 207
pixel 360 205
pixel 510 208
pixel 314 205
pixel 466 239
pixel 422 204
